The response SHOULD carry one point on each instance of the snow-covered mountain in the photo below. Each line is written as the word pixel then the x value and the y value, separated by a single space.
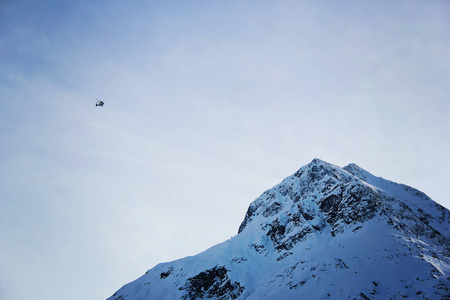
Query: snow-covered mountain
pixel 323 233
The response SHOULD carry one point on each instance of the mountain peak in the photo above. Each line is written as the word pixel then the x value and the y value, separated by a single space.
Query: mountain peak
pixel 318 161
pixel 314 191
pixel 353 166
pixel 325 226
pixel 357 171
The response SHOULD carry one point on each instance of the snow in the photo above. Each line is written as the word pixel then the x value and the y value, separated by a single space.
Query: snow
pixel 324 232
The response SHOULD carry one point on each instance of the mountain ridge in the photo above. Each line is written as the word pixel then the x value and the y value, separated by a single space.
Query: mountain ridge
pixel 323 232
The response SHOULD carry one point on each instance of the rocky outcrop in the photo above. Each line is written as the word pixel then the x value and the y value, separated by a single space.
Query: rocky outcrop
pixel 211 284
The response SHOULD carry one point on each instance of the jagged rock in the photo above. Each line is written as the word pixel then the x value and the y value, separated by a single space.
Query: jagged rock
pixel 213 283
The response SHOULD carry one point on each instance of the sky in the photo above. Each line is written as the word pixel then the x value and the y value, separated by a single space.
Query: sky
pixel 208 104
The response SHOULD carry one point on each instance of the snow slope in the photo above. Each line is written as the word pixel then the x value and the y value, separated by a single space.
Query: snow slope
pixel 323 233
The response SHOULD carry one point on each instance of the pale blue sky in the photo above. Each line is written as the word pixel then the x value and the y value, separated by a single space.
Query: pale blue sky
pixel 209 103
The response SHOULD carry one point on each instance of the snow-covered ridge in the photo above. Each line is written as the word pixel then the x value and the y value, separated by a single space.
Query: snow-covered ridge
pixel 324 232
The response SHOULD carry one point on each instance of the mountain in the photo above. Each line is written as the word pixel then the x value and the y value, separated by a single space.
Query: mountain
pixel 323 233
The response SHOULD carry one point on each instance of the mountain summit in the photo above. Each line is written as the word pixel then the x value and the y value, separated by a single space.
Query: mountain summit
pixel 323 233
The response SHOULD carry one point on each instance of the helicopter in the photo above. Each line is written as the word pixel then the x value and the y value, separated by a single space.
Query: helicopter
pixel 99 103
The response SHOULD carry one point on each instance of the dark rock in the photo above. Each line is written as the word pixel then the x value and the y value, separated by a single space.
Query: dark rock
pixel 276 232
pixel 213 283
pixel 272 210
pixel 248 216
pixel 164 275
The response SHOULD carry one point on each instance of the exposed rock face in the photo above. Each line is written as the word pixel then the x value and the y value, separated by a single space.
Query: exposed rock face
pixel 213 283
pixel 324 232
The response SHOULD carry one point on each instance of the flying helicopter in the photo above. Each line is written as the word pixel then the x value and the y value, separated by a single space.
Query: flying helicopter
pixel 99 103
